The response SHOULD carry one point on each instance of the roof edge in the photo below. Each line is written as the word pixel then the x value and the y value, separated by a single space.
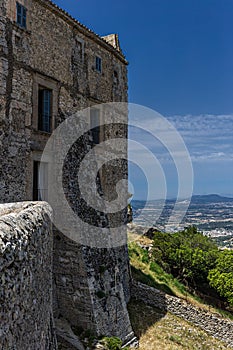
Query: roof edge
pixel 82 28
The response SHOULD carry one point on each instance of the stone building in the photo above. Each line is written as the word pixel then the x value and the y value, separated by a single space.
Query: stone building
pixel 51 66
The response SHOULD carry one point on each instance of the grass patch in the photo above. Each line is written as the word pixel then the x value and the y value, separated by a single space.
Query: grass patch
pixel 150 273
pixel 147 279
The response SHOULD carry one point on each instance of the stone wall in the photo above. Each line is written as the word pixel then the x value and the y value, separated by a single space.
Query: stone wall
pixel 92 287
pixel 26 277
pixel 214 324
pixel 57 52
pixel 47 53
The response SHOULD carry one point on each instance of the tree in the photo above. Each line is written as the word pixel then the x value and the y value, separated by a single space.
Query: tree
pixel 188 254
pixel 221 277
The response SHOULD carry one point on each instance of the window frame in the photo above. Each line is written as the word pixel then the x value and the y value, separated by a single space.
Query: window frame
pixel 79 54
pixel 45 125
pixel 96 131
pixel 21 15
pixel 46 83
pixel 92 125
pixel 40 194
pixel 98 64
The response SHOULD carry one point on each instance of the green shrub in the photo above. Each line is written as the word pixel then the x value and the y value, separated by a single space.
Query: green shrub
pixel 221 277
pixel 112 343
pixel 145 257
pixel 188 254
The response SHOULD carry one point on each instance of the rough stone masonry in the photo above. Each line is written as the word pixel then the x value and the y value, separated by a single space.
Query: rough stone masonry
pixel 50 67
pixel 26 276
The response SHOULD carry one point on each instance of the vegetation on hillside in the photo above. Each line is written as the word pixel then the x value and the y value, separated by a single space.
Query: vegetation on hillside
pixel 196 261
pixel 221 277
pixel 149 272
pixel 186 263
pixel 188 255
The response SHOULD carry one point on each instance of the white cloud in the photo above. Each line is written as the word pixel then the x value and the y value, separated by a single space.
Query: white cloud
pixel 209 140
pixel 207 137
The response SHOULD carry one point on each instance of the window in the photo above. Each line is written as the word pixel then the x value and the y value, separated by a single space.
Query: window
pixel 44 109
pixel 40 181
pixel 44 103
pixel 98 64
pixel 115 77
pixel 21 15
pixel 78 51
pixel 94 125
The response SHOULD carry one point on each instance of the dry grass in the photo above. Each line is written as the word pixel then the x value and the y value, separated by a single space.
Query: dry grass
pixel 157 331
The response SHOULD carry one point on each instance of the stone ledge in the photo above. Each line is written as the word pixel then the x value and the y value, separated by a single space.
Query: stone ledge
pixel 10 208
pixel 26 276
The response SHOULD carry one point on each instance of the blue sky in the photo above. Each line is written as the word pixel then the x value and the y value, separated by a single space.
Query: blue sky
pixel 181 65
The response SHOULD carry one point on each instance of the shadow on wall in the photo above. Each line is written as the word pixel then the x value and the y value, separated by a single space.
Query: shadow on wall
pixel 143 316
pixel 144 292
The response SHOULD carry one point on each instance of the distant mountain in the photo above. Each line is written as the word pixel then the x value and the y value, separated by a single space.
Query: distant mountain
pixel 210 198
pixel 201 199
